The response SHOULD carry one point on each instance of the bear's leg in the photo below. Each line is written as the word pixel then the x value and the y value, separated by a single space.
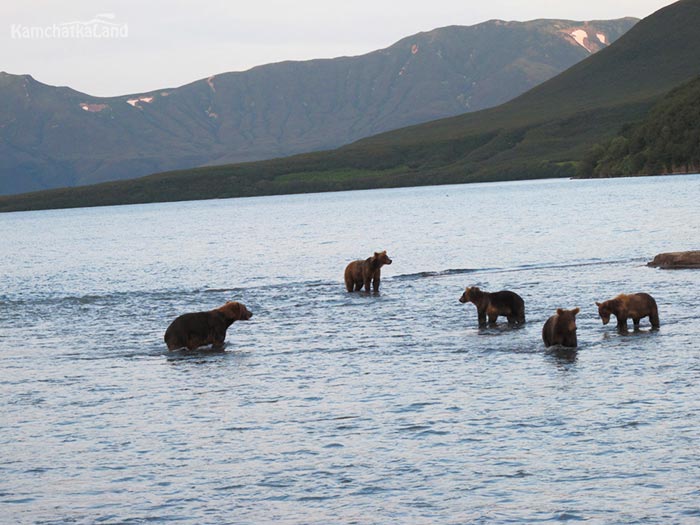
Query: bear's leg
pixel 512 319
pixel 546 337
pixel 482 317
pixel 367 284
pixel 175 343
pixel 570 341
pixel 375 282
pixel 521 314
pixel 635 322
pixel 622 323
pixel 654 318
pixel 492 318
pixel 218 338
pixel 349 281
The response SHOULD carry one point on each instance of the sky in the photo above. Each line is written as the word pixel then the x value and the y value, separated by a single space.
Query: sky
pixel 157 44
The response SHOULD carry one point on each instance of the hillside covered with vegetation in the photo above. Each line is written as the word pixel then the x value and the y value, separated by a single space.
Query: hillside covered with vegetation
pixel 667 141
pixel 545 132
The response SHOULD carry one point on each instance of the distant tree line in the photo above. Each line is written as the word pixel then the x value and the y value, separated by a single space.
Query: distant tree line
pixel 667 141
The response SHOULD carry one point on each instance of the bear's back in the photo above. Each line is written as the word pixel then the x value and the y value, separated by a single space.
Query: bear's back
pixel 185 325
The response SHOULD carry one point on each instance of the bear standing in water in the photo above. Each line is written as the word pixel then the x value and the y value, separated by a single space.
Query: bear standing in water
pixel 362 273
pixel 560 329
pixel 636 306
pixel 506 303
pixel 204 328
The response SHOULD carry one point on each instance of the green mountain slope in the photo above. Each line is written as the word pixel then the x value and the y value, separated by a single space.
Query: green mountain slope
pixel 53 137
pixel 666 141
pixel 543 133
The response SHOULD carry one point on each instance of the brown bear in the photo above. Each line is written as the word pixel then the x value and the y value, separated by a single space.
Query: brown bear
pixel 506 303
pixel 361 273
pixel 204 328
pixel 636 306
pixel 560 329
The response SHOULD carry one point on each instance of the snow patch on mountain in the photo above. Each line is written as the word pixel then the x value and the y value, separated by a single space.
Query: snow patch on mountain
pixel 581 38
pixel 93 108
pixel 136 102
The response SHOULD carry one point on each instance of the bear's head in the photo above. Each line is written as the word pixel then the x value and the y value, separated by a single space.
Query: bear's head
pixel 566 321
pixel 470 294
pixel 235 311
pixel 381 258
pixel 604 311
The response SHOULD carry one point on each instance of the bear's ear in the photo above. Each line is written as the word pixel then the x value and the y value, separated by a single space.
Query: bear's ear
pixel 598 304
pixel 575 310
pixel 377 254
pixel 560 311
pixel 232 309
pixel 239 309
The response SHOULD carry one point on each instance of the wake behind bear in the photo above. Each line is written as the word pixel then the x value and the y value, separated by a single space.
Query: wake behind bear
pixel 196 329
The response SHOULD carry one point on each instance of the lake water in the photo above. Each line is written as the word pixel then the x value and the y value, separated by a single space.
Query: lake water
pixel 330 407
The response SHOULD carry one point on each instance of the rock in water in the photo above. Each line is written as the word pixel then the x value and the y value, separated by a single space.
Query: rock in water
pixel 677 260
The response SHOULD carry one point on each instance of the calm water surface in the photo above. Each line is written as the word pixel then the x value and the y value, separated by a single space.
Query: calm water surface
pixel 329 407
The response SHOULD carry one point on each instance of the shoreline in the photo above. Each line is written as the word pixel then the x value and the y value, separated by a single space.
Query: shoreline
pixel 68 198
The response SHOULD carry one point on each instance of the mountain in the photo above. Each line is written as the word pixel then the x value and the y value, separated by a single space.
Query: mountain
pixel 543 133
pixel 56 136
pixel 666 141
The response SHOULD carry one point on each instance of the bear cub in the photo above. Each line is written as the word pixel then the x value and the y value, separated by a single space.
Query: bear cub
pixel 635 306
pixel 560 329
pixel 361 273
pixel 491 305
pixel 197 329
